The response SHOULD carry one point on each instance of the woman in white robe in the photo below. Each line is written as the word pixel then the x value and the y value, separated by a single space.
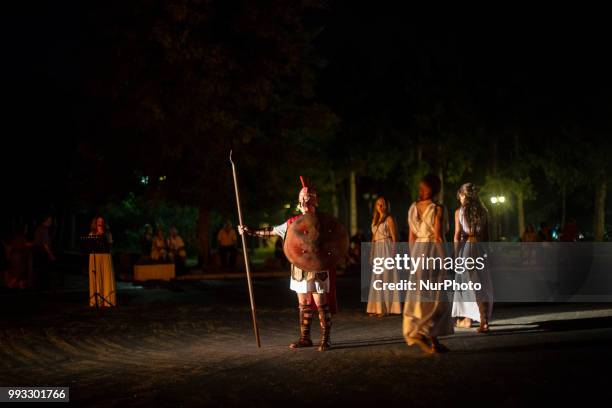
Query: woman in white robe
pixel 384 238
pixel 427 312
pixel 471 230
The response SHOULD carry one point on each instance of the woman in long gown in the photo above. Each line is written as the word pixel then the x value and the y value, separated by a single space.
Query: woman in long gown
pixel 471 229
pixel 427 313
pixel 384 237
pixel 102 288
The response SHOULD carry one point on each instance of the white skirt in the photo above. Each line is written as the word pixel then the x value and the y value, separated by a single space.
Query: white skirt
pixel 313 282
pixel 466 309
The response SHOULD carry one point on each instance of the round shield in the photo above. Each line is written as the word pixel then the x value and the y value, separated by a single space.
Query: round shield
pixel 316 242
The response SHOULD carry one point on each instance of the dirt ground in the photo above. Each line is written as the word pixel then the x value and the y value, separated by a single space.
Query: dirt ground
pixel 191 344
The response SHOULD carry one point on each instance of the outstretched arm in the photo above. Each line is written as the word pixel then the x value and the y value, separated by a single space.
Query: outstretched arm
pixel 457 235
pixel 260 232
pixel 267 232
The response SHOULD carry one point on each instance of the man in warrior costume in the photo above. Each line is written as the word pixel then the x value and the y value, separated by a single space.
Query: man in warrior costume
pixel 314 289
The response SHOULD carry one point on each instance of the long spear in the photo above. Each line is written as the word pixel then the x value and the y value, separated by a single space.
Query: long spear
pixel 246 256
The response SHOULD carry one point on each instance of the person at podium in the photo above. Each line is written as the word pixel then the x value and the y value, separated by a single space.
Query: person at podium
pixel 102 287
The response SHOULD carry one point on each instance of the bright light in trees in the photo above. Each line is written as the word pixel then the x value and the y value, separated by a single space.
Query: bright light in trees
pixel 498 199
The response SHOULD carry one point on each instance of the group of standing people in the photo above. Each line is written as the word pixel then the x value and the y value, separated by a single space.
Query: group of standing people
pixel 569 232
pixel 428 314
pixel 29 262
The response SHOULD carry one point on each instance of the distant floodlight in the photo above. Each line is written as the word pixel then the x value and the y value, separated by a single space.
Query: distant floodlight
pixel 501 199
pixel 493 200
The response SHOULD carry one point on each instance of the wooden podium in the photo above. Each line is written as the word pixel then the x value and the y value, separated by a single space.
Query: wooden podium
pixel 162 271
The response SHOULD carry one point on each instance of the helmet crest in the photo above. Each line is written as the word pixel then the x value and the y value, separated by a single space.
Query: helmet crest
pixel 308 193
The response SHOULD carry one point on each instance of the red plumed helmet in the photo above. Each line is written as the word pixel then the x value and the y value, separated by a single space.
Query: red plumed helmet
pixel 308 193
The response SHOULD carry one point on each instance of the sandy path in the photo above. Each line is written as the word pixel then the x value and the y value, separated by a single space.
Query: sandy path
pixel 194 347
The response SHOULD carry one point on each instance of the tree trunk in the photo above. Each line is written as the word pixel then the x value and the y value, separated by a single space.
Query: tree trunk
pixel 61 235
pixel 346 213
pixel 521 213
pixel 563 204
pixel 334 198
pixel 353 202
pixel 441 175
pixel 203 235
pixel 73 232
pixel 417 176
pixel 441 194
pixel 495 223
pixel 599 219
pixel 493 156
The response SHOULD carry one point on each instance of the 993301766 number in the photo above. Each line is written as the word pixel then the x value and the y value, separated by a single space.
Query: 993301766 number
pixel 51 394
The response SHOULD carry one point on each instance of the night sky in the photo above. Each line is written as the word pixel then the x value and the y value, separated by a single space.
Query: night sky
pixel 377 68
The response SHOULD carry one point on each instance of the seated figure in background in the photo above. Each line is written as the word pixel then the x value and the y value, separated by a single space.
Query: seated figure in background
pixel 177 253
pixel 159 251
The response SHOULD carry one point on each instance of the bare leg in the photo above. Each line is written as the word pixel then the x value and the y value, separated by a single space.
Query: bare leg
pixel 319 298
pixel 464 323
pixel 483 308
pixel 303 298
